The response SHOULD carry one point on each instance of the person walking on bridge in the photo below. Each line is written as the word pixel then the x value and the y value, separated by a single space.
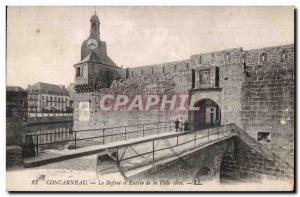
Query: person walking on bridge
pixel 186 126
pixel 181 125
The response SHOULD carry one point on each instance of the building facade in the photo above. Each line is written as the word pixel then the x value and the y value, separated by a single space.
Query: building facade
pixel 47 98
pixel 253 89
pixel 16 102
pixel 16 114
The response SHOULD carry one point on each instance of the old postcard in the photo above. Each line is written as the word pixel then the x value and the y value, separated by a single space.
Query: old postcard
pixel 103 98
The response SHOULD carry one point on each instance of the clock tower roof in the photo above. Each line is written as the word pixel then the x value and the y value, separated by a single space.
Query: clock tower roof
pixel 98 58
pixel 95 18
pixel 93 49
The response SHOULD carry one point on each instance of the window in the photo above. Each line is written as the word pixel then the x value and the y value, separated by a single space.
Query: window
pixel 78 72
pixel 227 56
pixel 187 66
pixel 142 72
pixel 264 137
pixel 174 68
pixel 283 55
pixel 213 57
pixel 193 78
pixel 163 69
pixel 243 60
pixel 263 57
pixel 199 60
pixel 152 71
pixel 131 73
pixel 127 73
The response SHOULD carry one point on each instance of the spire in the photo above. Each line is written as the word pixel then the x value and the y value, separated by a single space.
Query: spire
pixel 95 25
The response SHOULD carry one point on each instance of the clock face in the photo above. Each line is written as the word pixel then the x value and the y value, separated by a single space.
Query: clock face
pixel 92 43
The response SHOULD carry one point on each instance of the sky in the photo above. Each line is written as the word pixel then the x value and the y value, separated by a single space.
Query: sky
pixel 43 43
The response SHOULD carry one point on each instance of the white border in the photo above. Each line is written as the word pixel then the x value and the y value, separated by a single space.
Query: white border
pixel 4 3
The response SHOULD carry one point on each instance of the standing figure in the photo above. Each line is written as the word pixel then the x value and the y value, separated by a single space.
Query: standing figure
pixel 186 126
pixel 177 124
pixel 181 125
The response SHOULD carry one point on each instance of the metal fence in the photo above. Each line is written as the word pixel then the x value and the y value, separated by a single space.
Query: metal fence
pixel 156 149
pixel 41 114
pixel 102 134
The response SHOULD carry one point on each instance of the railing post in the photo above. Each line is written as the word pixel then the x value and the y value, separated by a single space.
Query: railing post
pixel 117 154
pixel 153 152
pixel 37 144
pixel 195 137
pixel 75 140
pixel 125 134
pixel 103 136
pixel 143 130
pixel 208 134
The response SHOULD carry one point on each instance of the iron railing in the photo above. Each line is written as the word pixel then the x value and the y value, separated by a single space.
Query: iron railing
pixel 103 134
pixel 189 139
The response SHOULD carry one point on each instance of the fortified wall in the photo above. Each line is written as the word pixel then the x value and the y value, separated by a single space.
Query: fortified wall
pixel 254 93
pixel 253 89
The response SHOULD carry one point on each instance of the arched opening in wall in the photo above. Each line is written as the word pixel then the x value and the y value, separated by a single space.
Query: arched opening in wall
pixel 208 115
pixel 203 175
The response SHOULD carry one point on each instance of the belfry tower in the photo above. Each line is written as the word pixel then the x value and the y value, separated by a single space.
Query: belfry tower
pixel 95 70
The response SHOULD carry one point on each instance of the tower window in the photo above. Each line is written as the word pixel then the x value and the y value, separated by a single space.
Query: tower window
pixel 263 57
pixel 187 66
pixel 152 70
pixel 199 60
pixel 78 72
pixel 163 69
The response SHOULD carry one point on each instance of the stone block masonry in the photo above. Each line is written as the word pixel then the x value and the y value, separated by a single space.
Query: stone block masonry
pixel 14 156
pixel 242 162
pixel 267 112
pixel 252 88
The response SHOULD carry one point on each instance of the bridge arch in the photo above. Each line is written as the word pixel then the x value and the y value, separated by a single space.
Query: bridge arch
pixel 208 115
pixel 203 175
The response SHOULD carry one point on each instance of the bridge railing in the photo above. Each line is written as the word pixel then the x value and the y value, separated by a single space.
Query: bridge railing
pixel 99 135
pixel 155 149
